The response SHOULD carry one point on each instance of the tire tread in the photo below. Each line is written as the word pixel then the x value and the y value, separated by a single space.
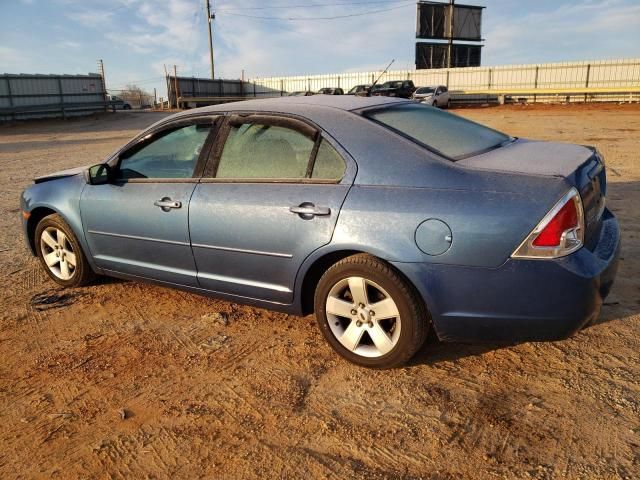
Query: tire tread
pixel 419 311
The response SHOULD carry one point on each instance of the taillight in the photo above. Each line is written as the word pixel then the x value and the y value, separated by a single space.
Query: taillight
pixel 560 232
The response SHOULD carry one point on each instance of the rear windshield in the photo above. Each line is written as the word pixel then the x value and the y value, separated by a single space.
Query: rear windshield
pixel 445 133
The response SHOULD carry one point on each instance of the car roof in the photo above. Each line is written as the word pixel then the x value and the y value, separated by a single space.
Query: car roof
pixel 293 105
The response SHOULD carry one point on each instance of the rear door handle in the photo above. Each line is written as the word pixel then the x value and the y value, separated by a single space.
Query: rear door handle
pixel 308 210
pixel 166 204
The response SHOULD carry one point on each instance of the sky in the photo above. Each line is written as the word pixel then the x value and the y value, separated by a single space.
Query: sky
pixel 136 38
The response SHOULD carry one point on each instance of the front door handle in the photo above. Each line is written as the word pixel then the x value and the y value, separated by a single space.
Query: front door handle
pixel 166 204
pixel 308 210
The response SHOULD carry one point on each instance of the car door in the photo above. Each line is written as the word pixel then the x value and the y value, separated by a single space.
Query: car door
pixel 270 196
pixel 137 222
pixel 444 96
pixel 437 101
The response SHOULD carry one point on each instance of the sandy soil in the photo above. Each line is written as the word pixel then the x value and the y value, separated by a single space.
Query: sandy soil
pixel 129 380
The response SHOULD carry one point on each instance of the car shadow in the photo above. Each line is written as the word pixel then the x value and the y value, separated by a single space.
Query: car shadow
pixel 434 351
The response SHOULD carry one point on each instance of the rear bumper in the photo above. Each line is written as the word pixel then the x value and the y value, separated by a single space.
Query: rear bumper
pixel 522 300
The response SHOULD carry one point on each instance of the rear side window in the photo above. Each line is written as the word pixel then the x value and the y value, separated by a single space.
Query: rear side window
pixel 265 151
pixel 450 135
pixel 329 165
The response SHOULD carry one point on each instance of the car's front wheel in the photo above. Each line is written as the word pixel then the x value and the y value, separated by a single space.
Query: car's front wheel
pixel 60 253
pixel 369 313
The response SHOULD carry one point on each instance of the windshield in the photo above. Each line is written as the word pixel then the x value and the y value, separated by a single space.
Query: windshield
pixel 357 88
pixel 426 90
pixel 392 85
pixel 445 133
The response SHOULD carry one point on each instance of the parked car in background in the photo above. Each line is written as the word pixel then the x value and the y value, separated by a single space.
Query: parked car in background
pixel 361 90
pixel 330 91
pixel 396 88
pixel 437 96
pixel 383 216
pixel 301 93
pixel 118 103
pixel 374 88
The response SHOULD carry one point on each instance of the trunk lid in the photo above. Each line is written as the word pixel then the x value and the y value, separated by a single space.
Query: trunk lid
pixel 582 167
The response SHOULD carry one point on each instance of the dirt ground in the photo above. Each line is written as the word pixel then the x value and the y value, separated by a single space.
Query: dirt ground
pixel 210 389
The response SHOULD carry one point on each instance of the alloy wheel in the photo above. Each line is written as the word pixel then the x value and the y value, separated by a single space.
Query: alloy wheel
pixel 58 253
pixel 363 317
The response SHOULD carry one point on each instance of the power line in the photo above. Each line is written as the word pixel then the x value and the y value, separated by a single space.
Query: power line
pixel 317 5
pixel 336 17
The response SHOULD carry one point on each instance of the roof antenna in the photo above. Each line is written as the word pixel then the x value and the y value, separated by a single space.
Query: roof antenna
pixel 385 71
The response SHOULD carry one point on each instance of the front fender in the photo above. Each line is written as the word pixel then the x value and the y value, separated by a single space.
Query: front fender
pixel 62 196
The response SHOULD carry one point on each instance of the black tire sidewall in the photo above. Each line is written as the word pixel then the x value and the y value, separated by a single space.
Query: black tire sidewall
pixel 407 311
pixel 82 268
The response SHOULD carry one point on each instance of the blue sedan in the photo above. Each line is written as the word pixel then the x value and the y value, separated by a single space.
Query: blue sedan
pixel 385 217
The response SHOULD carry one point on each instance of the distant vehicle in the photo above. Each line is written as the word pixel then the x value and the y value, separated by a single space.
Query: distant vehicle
pixel 331 91
pixel 437 96
pixel 301 93
pixel 396 88
pixel 375 88
pixel 361 90
pixel 383 216
pixel 118 103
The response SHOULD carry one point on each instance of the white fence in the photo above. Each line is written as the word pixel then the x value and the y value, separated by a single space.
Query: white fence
pixel 595 80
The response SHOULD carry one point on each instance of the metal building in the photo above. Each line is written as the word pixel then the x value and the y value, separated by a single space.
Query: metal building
pixel 24 96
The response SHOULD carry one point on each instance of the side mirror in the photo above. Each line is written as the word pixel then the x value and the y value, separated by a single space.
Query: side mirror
pixel 99 174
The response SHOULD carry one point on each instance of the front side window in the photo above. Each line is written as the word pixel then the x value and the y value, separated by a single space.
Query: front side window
pixel 448 134
pixel 265 151
pixel 173 155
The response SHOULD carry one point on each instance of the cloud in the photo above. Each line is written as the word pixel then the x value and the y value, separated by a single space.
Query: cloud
pixel 91 17
pixel 10 58
pixel 307 47
pixel 151 33
pixel 564 33
pixel 69 44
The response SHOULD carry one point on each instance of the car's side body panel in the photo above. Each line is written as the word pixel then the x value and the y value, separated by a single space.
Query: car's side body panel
pixel 484 226
pixel 127 233
pixel 522 300
pixel 247 242
pixel 61 196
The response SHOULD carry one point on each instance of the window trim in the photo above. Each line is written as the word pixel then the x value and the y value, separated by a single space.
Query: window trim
pixel 306 128
pixel 154 134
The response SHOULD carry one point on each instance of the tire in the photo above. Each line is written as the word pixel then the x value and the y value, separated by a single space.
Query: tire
pixel 126 107
pixel 386 339
pixel 58 249
pixel 448 105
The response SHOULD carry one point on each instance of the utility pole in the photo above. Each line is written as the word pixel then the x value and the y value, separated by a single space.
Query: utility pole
pixel 450 48
pixel 210 18
pixel 175 82
pixel 166 78
pixel 104 83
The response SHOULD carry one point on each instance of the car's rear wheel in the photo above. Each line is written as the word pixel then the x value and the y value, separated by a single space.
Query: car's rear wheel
pixel 369 313
pixel 60 253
